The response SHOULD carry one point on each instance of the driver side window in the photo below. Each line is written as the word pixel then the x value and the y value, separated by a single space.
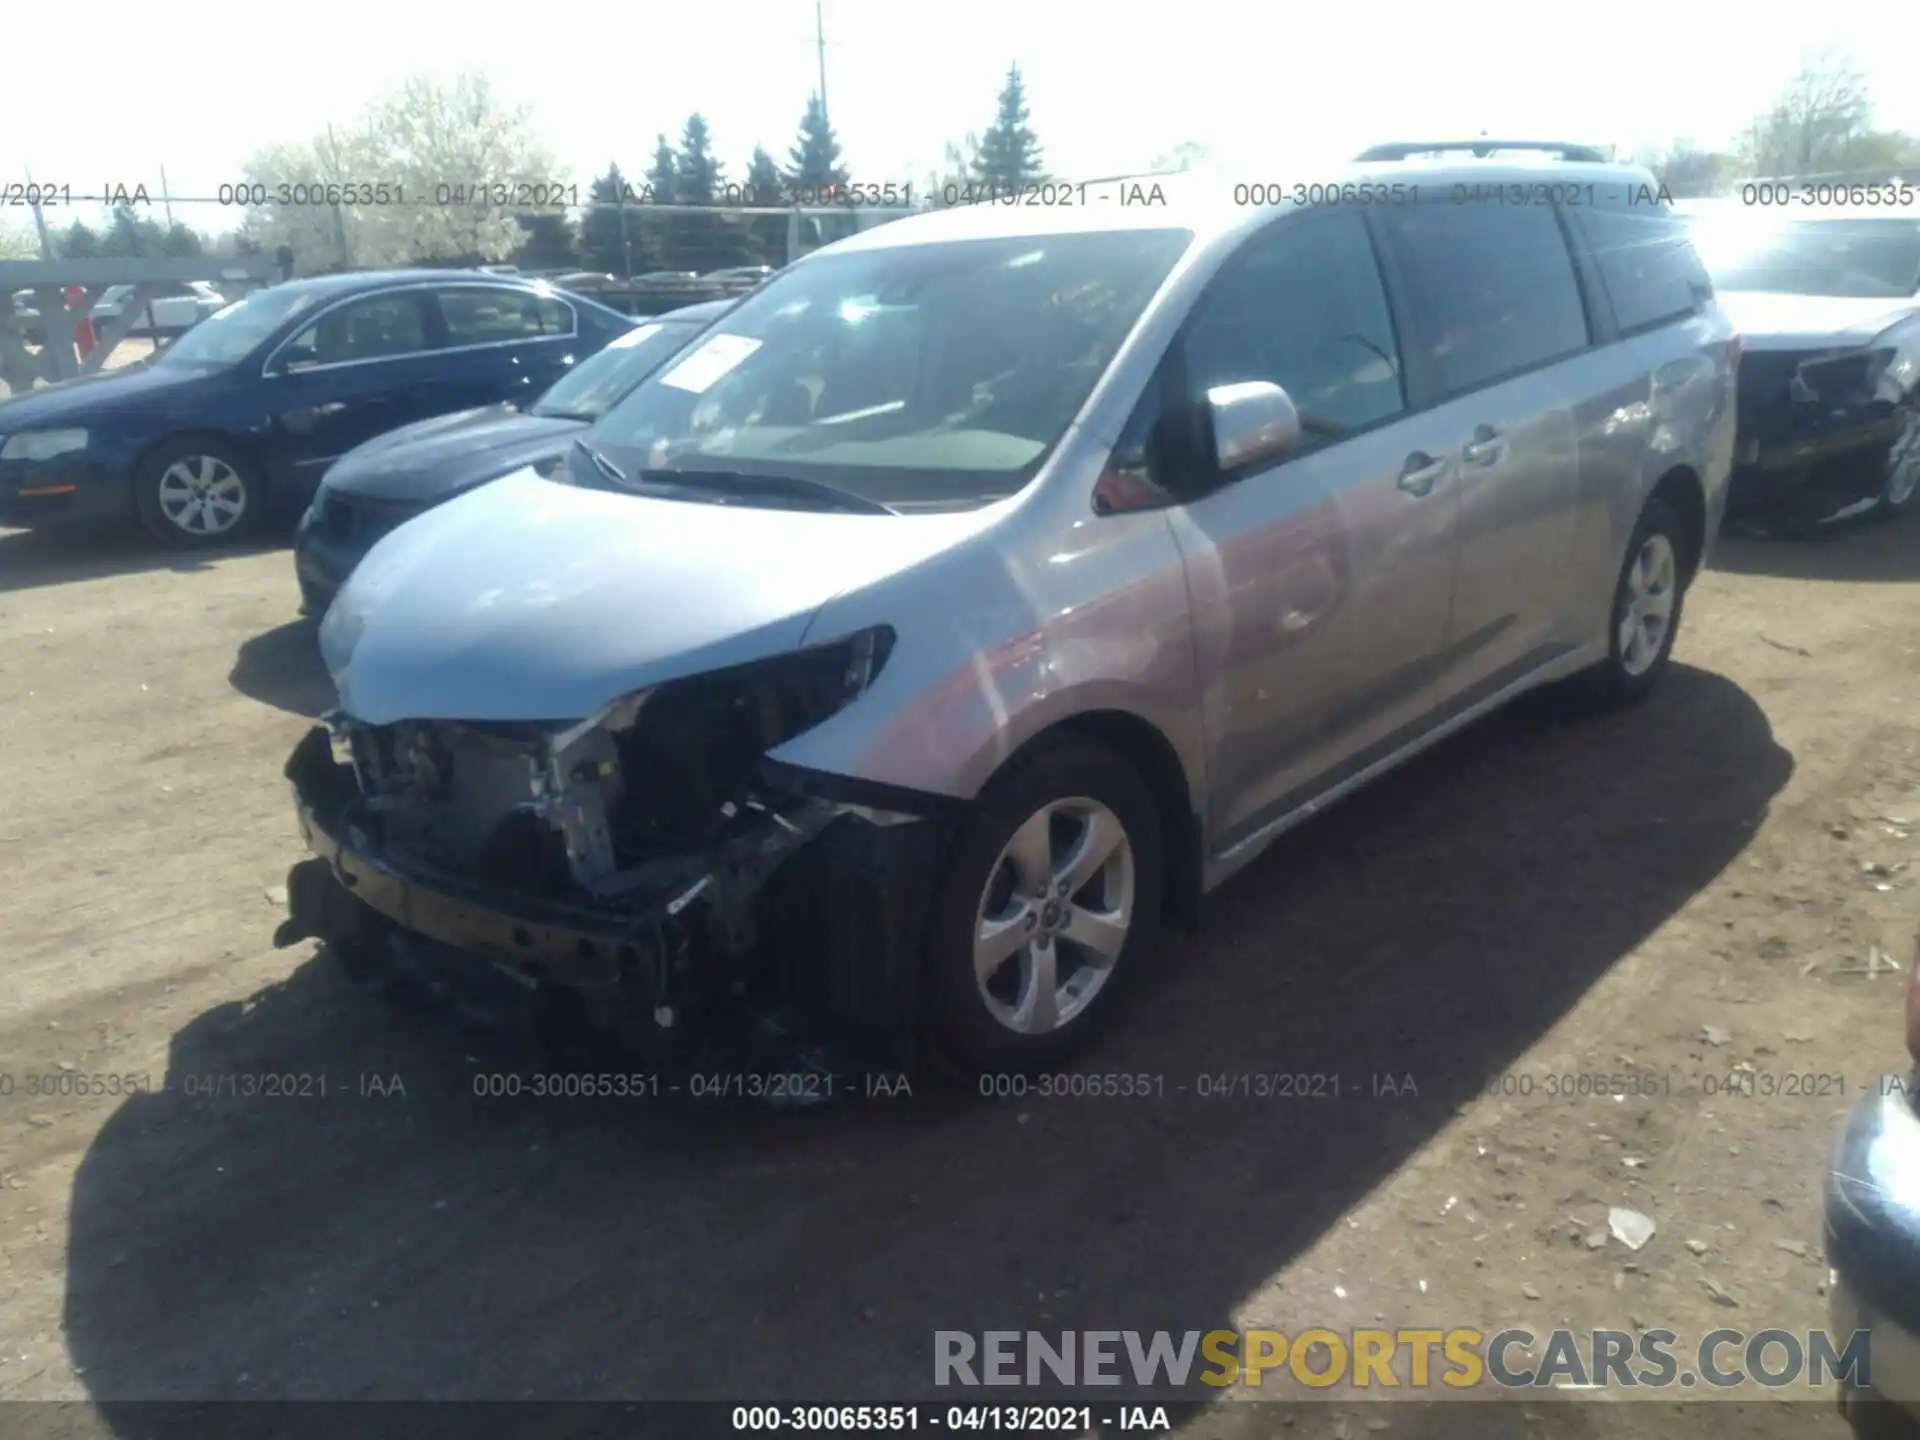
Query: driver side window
pixel 1302 306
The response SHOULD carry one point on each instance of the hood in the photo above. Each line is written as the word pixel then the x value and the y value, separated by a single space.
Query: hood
pixel 1809 322
pixel 532 600
pixel 85 397
pixel 433 459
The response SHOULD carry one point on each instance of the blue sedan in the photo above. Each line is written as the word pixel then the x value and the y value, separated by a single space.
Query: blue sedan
pixel 237 421
pixel 408 471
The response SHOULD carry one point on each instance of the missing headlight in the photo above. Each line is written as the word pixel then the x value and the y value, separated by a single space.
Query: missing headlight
pixel 694 745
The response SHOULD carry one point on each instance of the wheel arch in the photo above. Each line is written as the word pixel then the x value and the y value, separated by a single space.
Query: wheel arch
pixel 1153 756
pixel 1681 487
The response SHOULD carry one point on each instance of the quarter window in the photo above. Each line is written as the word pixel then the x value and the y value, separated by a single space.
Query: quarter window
pixel 1302 306
pixel 1648 265
pixel 481 316
pixel 1492 286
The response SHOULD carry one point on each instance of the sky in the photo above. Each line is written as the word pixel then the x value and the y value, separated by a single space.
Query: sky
pixel 1275 92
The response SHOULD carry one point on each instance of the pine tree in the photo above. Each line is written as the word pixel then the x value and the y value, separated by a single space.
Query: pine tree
pixel 601 241
pixel 1009 155
pixel 704 242
pixel 697 174
pixel 182 240
pixel 765 187
pixel 547 242
pixel 663 183
pixel 814 161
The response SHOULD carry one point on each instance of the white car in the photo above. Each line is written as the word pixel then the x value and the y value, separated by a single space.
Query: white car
pixel 172 305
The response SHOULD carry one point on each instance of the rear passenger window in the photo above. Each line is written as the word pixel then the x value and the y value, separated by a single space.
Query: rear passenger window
pixel 478 316
pixel 1302 305
pixel 1493 287
pixel 1648 265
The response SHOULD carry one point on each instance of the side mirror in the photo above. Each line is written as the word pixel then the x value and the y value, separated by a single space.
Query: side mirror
pixel 1252 422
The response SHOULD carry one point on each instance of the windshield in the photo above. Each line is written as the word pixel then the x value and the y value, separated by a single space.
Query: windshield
pixel 1866 258
pixel 932 374
pixel 586 391
pixel 228 336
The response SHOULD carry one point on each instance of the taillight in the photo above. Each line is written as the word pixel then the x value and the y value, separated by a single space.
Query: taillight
pixel 1913 1004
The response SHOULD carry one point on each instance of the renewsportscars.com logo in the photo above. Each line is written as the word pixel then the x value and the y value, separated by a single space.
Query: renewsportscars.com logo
pixel 1458 1359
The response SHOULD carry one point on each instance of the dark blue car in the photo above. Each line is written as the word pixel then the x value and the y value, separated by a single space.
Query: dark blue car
pixel 239 418
pixel 391 479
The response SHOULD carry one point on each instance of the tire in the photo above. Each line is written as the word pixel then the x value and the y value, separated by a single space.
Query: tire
pixel 1903 476
pixel 1632 669
pixel 1000 1024
pixel 186 491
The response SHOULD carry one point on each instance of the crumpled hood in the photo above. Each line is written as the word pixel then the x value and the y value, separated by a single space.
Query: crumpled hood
pixel 529 599
pixel 1809 322
pixel 432 459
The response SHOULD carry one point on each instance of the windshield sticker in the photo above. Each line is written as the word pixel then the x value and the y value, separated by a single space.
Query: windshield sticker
pixel 636 336
pixel 700 370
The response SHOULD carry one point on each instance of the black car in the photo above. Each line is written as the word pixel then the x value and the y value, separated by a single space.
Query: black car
pixel 1872 1211
pixel 1828 310
pixel 239 418
pixel 393 478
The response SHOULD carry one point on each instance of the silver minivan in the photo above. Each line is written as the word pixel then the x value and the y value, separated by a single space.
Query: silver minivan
pixel 990 586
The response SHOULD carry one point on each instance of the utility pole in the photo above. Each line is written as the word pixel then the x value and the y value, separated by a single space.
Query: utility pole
pixel 40 222
pixel 166 197
pixel 820 50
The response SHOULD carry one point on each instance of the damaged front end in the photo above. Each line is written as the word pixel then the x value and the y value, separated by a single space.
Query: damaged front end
pixel 649 863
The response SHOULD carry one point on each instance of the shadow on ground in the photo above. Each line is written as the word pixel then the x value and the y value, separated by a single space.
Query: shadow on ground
pixel 1857 552
pixel 282 667
pixel 31 559
pixel 441 1245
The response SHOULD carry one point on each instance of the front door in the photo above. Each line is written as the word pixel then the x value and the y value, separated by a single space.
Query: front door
pixel 1319 586
pixel 361 369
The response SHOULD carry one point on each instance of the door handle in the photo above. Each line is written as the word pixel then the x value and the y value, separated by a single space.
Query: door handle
pixel 1421 472
pixel 1486 447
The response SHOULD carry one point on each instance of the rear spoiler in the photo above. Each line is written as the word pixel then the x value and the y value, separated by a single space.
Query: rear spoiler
pixel 1481 149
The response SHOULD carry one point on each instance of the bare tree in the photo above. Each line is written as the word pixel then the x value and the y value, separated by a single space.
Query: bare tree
pixel 949 185
pixel 1810 128
pixel 1688 171
pixel 430 173
pixel 1184 156
pixel 18 242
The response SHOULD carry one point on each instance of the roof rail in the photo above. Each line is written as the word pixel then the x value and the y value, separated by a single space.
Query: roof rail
pixel 1481 149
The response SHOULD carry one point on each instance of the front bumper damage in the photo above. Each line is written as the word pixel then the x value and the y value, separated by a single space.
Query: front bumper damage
pixel 793 921
pixel 1815 435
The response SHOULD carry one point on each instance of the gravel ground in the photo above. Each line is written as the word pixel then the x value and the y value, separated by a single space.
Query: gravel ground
pixel 1681 891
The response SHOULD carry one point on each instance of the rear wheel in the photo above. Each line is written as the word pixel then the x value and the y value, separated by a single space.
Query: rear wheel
pixel 198 493
pixel 1044 915
pixel 1645 617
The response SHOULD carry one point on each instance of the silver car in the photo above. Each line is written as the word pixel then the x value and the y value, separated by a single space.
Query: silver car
pixel 992 585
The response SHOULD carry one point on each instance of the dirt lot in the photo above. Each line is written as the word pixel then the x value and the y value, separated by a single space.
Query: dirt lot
pixel 1681 890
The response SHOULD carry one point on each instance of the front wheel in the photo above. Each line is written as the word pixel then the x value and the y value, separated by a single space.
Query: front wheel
pixel 1645 615
pixel 1903 475
pixel 198 493
pixel 1044 915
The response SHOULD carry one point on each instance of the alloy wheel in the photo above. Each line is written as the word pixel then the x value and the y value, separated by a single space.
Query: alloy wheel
pixel 1652 590
pixel 202 495
pixel 1055 916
